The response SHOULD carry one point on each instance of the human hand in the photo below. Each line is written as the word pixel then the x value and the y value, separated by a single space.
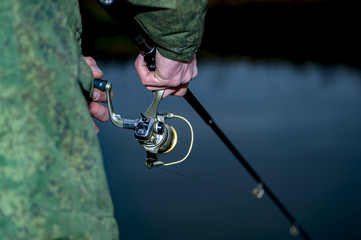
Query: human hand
pixel 96 109
pixel 173 76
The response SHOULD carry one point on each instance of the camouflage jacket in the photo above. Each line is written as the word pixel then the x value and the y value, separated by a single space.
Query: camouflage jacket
pixel 176 26
pixel 52 181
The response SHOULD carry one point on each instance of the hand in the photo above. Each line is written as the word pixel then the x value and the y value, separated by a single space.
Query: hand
pixel 173 76
pixel 96 109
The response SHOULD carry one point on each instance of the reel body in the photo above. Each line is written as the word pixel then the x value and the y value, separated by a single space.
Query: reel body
pixel 150 130
pixel 156 137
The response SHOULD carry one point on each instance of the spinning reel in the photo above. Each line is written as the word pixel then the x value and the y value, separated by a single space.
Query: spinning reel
pixel 150 130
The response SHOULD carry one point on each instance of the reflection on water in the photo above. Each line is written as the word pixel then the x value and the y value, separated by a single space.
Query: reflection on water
pixel 298 127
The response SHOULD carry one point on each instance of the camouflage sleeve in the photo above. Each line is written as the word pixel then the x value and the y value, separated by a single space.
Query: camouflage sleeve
pixel 52 179
pixel 176 26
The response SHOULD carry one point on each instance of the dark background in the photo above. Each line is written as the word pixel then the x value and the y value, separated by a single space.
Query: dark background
pixel 321 31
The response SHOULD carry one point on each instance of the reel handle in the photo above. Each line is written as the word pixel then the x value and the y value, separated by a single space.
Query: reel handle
pixel 100 84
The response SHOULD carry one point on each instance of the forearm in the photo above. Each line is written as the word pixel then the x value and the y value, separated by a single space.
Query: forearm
pixel 176 27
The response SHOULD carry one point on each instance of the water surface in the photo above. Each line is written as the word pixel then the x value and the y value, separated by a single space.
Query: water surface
pixel 298 126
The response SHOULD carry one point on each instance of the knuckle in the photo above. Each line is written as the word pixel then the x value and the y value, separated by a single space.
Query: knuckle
pixel 176 81
pixel 195 73
pixel 90 61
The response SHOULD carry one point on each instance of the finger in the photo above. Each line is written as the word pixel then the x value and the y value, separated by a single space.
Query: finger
pixel 195 73
pixel 143 72
pixel 99 96
pixel 99 111
pixel 151 88
pixel 168 92
pixel 90 61
pixel 179 92
pixel 141 67
pixel 97 73
pixel 152 78
pixel 96 129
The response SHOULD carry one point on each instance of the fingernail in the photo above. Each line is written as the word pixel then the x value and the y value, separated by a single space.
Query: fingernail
pixel 95 96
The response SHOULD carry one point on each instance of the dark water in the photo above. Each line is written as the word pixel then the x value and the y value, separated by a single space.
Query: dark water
pixel 298 126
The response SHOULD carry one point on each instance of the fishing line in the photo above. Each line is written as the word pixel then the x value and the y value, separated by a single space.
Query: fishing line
pixel 200 180
pixel 190 145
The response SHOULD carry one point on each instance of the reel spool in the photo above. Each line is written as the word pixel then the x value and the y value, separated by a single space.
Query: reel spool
pixel 150 130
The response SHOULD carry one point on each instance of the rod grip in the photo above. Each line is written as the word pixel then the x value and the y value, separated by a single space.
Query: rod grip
pixel 100 84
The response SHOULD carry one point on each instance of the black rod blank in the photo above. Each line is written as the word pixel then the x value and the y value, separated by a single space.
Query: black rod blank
pixel 202 112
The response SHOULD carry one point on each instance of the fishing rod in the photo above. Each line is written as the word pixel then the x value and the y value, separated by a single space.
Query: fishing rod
pixel 147 48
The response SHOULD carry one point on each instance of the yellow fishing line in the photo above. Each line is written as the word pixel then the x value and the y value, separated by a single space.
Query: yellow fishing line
pixel 175 136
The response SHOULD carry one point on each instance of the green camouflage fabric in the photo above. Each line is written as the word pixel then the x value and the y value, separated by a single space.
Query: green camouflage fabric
pixel 52 181
pixel 176 26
